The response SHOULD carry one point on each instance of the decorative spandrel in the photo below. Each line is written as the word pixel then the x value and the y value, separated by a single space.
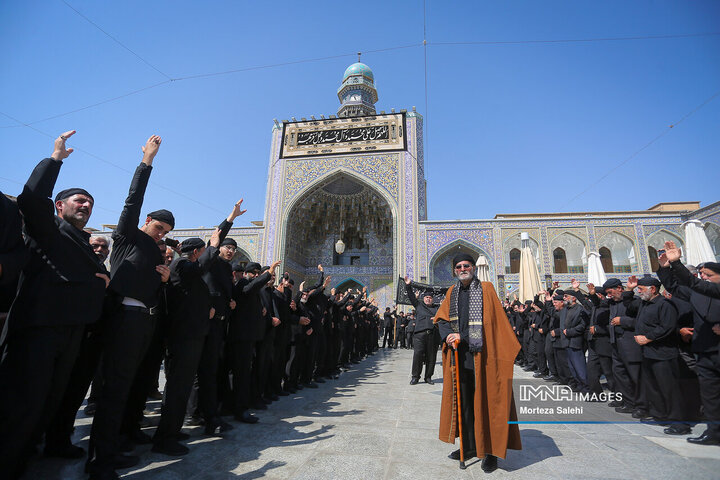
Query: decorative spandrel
pixel 376 133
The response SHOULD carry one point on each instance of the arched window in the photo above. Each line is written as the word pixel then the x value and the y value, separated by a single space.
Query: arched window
pixel 622 252
pixel 606 260
pixel 513 243
pixel 653 254
pixel 560 261
pixel 713 233
pixel 514 260
pixel 575 259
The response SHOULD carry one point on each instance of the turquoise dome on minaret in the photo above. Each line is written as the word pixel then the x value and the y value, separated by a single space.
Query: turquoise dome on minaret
pixel 359 69
pixel 357 94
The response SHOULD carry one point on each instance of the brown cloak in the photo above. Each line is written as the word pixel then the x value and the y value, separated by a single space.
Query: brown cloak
pixel 494 403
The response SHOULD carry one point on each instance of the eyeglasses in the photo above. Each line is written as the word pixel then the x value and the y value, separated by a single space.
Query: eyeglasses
pixel 463 266
pixel 99 245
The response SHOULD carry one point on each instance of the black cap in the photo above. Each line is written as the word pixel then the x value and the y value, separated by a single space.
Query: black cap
pixel 575 294
pixel 163 216
pixel 600 290
pixel 559 292
pixel 461 257
pixel 191 244
pixel 650 282
pixel 714 266
pixel 252 266
pixel 62 195
pixel 237 268
pixel 612 283
pixel 558 297
pixel 428 293
pixel 229 241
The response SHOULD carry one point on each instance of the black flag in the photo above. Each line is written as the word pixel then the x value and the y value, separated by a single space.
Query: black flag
pixel 401 298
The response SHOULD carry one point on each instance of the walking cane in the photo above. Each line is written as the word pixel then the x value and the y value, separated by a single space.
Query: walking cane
pixel 456 367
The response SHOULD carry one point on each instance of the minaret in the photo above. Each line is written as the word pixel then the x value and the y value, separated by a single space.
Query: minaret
pixel 357 93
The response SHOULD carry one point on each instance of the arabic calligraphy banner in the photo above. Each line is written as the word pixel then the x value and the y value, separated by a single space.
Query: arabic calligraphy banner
pixel 379 133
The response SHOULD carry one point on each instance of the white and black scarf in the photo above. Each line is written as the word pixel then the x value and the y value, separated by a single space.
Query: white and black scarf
pixel 475 314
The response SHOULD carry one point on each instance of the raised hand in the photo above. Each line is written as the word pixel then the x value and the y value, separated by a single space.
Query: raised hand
pixel 591 288
pixel 274 265
pixel 59 151
pixel 632 283
pixel 236 211
pixel 215 238
pixel 320 267
pixel 672 252
pixel 575 284
pixel 407 280
pixel 150 149
pixel 663 260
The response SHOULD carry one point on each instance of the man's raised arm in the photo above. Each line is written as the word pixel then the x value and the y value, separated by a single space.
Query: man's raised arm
pixel 130 216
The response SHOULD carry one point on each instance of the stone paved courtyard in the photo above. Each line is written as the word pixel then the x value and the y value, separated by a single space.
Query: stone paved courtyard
pixel 371 424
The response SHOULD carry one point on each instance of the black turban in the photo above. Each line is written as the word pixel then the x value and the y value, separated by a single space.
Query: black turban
pixel 559 292
pixel 73 191
pixel 252 266
pixel 461 257
pixel 575 294
pixel 237 268
pixel 163 216
pixel 714 266
pixel 428 293
pixel 612 283
pixel 191 244
pixel 559 298
pixel 600 290
pixel 229 241
pixel 650 282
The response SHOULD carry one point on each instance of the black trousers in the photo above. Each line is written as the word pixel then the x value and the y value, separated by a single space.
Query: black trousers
pixel 34 374
pixel 346 334
pixel 467 400
pixel 689 386
pixel 627 380
pixel 128 337
pixel 562 364
pixel 550 355
pixel 599 365
pixel 241 360
pixel 529 348
pixel 540 358
pixel 660 382
pixel 184 359
pixel 308 366
pixel 297 363
pixel 207 371
pixel 424 351
pixel 708 371
pixel 388 337
pixel 60 430
pixel 261 367
pixel 279 362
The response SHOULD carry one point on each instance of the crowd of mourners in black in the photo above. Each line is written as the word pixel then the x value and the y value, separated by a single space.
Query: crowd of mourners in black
pixel 232 338
pixel 655 340
pixel 235 338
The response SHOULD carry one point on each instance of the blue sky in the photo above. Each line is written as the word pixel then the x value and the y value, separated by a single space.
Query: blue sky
pixel 510 128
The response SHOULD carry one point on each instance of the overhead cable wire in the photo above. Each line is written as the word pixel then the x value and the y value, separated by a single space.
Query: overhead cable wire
pixel 117 41
pixel 644 147
pixel 112 164
pixel 426 137
pixel 577 40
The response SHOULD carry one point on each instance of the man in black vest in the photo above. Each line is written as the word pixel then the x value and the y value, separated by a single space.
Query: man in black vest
pixel 137 272
pixel 61 290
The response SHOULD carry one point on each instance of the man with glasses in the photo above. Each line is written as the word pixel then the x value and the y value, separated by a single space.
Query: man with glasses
pixel 423 343
pixel 471 319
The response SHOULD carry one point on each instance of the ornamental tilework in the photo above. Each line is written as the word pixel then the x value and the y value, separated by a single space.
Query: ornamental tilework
pixel 511 232
pixel 580 232
pixel 272 221
pixel 628 231
pixel 649 230
pixel 381 168
pixel 438 239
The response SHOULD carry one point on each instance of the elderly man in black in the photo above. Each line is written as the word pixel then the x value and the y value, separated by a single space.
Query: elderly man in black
pixel 424 345
pixel 626 356
pixel 655 332
pixel 705 333
pixel 576 321
pixel 61 291
pixel 137 272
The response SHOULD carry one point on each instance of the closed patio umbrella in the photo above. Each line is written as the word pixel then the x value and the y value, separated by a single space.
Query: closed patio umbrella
pixel 483 269
pixel 697 245
pixel 529 274
pixel 596 273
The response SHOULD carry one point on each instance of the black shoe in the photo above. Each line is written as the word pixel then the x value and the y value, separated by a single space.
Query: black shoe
pixel 170 447
pixel 138 437
pixel 259 406
pixel 246 417
pixel 194 421
pixel 156 395
pixel 550 378
pixel 489 463
pixel 429 381
pixel 65 451
pixel 677 429
pixel 289 389
pixel 539 375
pixel 319 380
pixel 704 439
pixel 182 436
pixel 216 426
pixel 637 413
pixel 414 381
pixel 456 454
pixel 281 393
pixel 298 387
pixel 311 385
pixel 125 461
pixel 624 409
pixel 654 421
pixel 530 368
pixel 615 403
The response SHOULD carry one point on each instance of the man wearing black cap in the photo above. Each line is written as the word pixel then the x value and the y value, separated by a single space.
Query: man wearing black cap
pixel 60 292
pixel 559 341
pixel 705 334
pixel 627 356
pixel 424 346
pixel 599 360
pixel 655 332
pixel 137 271
pixel 576 320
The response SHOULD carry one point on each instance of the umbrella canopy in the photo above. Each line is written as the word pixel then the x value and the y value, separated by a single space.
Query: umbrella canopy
pixel 529 274
pixel 483 269
pixel 596 274
pixel 697 245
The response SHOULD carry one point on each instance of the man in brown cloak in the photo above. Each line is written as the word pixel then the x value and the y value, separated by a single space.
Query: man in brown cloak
pixel 472 314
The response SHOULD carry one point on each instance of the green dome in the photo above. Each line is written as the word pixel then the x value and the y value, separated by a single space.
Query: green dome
pixel 359 69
